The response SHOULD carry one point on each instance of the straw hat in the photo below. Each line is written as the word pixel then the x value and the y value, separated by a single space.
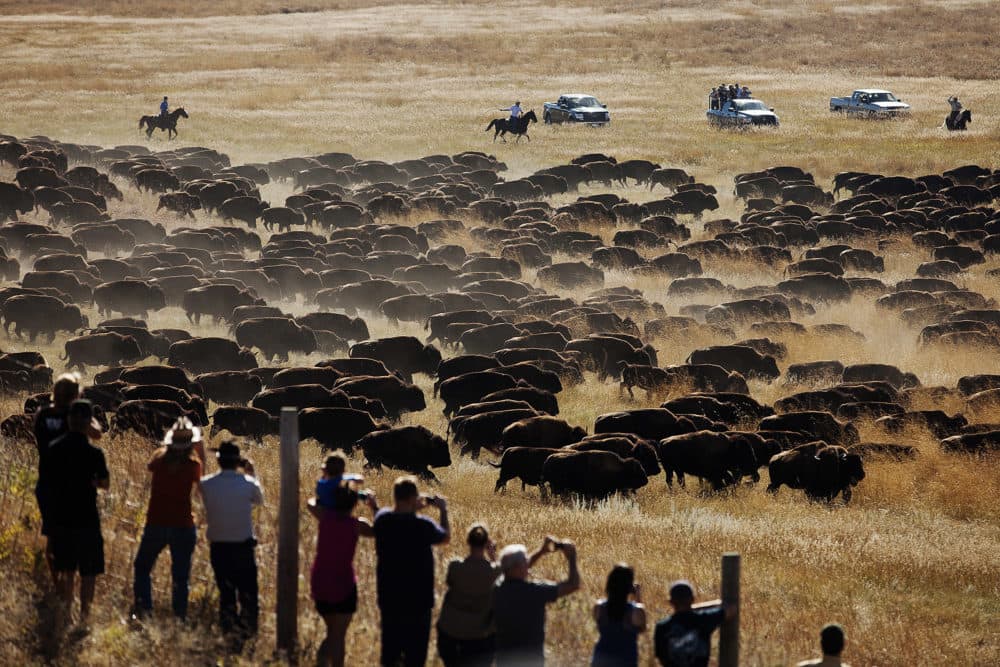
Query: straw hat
pixel 182 435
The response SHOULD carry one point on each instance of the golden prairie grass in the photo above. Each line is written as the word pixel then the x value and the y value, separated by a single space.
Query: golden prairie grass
pixel 910 566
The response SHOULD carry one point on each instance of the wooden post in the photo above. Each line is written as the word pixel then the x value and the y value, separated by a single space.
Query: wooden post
pixel 287 578
pixel 729 633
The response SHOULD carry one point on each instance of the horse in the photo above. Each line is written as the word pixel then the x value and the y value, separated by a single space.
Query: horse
pixel 953 122
pixel 516 126
pixel 168 122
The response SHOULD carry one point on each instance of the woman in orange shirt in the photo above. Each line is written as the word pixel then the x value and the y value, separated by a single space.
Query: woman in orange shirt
pixel 176 470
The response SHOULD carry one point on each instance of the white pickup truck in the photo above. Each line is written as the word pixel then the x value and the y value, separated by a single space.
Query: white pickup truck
pixel 871 102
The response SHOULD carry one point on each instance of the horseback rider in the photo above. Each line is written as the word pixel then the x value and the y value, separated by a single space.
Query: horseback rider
pixel 164 107
pixel 956 108
pixel 515 113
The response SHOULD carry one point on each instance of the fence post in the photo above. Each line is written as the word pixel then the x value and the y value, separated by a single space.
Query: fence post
pixel 729 633
pixel 288 535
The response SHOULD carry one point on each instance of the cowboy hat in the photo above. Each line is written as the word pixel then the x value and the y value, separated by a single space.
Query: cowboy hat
pixel 182 435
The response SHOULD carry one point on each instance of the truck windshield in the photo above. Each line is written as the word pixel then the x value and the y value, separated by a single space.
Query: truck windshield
pixel 750 105
pixel 881 97
pixel 583 102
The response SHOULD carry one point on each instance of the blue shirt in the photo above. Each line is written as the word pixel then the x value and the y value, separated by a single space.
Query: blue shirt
pixel 515 111
pixel 618 644
pixel 163 106
pixel 325 489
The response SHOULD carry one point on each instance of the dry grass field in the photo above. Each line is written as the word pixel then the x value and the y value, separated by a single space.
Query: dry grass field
pixel 911 567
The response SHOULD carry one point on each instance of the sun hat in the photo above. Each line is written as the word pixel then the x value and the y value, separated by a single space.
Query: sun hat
pixel 182 434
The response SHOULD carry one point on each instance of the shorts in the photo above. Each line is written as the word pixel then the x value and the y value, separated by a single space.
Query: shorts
pixel 77 549
pixel 348 605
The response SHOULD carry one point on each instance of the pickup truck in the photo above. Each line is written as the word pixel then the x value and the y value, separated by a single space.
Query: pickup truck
pixel 576 108
pixel 871 102
pixel 741 112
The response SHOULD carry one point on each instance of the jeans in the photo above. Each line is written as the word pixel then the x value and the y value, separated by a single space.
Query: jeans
pixel 465 652
pixel 235 569
pixel 404 638
pixel 181 542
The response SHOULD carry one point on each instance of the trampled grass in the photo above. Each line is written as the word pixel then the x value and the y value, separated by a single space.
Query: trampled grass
pixel 910 566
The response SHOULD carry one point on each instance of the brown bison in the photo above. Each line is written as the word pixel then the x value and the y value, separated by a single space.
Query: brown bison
pixel 821 471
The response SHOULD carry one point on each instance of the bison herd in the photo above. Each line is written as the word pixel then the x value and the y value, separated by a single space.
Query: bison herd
pixel 510 291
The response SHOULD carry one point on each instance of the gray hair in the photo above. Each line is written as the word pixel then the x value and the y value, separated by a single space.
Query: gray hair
pixel 512 556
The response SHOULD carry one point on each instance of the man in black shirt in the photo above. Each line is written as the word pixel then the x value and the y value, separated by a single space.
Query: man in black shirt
pixel 684 639
pixel 77 470
pixel 50 423
pixel 405 572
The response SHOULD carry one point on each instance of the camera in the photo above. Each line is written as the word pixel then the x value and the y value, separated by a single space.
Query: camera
pixel 363 496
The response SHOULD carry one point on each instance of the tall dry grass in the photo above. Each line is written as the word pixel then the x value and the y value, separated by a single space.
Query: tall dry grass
pixel 910 567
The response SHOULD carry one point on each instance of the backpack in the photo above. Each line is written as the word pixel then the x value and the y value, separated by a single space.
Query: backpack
pixel 684 646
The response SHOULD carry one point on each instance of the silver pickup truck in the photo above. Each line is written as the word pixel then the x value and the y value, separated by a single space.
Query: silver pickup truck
pixel 871 102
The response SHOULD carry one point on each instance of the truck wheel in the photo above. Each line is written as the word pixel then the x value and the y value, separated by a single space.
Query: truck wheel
pixel 547 119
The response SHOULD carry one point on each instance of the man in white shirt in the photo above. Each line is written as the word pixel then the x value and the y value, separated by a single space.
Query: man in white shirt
pixel 515 111
pixel 229 497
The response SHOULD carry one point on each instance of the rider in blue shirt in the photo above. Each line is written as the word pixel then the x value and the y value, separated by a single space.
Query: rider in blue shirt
pixel 164 106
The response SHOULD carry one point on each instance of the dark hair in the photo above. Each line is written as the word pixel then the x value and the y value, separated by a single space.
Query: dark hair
pixel 405 488
pixel 478 537
pixel 335 463
pixel 831 639
pixel 344 498
pixel 682 592
pixel 617 589
pixel 66 389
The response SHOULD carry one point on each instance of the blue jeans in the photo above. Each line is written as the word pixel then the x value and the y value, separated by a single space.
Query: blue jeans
pixel 181 542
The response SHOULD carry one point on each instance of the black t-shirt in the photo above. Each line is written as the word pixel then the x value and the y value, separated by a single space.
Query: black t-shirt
pixel 519 615
pixel 50 423
pixel 405 567
pixel 683 640
pixel 70 467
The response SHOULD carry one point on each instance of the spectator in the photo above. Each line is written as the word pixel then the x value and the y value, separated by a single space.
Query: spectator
pixel 620 618
pixel 519 604
pixel 831 641
pixel 745 93
pixel 465 634
pixel 333 472
pixel 176 472
pixel 77 469
pixel 685 637
pixel 229 497
pixel 50 423
pixel 334 584
pixel 405 571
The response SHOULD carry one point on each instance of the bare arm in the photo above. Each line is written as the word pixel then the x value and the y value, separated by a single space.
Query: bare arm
pixel 728 610
pixel 542 550
pixel 442 505
pixel 572 581
pixel 639 617
pixel 314 509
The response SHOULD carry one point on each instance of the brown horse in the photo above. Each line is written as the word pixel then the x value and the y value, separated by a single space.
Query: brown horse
pixel 168 122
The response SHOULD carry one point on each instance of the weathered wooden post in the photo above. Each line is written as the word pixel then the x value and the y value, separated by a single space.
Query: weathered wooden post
pixel 288 535
pixel 729 633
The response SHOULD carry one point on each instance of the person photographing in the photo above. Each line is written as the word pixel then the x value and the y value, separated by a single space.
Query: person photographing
pixel 405 571
pixel 519 602
pixel 229 497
